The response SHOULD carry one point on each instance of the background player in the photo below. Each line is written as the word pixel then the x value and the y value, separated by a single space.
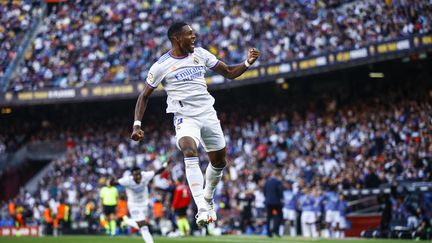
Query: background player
pixel 180 204
pixel 289 209
pixel 108 203
pixel 181 71
pixel 137 198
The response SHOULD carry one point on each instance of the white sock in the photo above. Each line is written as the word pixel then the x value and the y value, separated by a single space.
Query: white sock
pixel 336 234
pixel 325 233
pixel 132 223
pixel 306 230
pixel 314 231
pixel 146 234
pixel 293 232
pixel 342 234
pixel 213 176
pixel 196 181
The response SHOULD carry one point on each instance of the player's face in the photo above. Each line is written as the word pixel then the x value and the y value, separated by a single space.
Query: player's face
pixel 187 39
pixel 137 176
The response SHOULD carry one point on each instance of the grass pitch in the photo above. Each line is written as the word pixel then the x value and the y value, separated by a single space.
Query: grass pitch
pixel 210 239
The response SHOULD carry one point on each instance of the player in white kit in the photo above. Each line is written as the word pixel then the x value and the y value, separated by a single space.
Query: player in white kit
pixel 181 71
pixel 136 186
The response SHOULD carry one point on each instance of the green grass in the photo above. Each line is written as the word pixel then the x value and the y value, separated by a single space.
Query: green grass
pixel 212 239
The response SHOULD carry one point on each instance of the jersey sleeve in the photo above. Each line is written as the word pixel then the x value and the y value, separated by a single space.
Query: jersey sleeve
pixel 147 175
pixel 123 181
pixel 155 75
pixel 210 59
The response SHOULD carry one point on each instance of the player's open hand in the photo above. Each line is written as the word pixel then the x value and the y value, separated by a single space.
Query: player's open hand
pixel 253 54
pixel 137 134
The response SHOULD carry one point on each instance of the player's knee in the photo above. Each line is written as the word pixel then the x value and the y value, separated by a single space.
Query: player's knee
pixel 219 163
pixel 189 152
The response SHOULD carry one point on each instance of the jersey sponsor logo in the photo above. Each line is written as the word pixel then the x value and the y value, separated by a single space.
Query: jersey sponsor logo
pixel 190 73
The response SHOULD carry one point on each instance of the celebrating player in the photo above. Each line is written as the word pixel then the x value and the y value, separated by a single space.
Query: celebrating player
pixel 181 71
pixel 137 193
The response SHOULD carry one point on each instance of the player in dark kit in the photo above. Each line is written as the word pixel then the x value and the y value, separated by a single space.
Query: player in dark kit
pixel 181 71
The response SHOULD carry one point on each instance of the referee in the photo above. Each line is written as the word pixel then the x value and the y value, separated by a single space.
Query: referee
pixel 108 202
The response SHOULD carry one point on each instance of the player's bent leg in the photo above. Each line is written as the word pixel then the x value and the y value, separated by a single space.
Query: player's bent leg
pixel 213 176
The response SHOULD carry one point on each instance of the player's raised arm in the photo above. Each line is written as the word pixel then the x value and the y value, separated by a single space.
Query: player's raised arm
pixel 233 71
pixel 164 167
pixel 140 107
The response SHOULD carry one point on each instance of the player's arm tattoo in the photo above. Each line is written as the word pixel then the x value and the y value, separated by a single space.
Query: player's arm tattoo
pixel 142 101
pixel 230 71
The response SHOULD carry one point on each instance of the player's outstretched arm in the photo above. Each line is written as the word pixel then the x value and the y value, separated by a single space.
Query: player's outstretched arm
pixel 164 167
pixel 233 71
pixel 140 107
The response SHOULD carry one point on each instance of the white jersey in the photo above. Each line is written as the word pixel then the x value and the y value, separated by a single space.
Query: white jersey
pixel 184 82
pixel 137 193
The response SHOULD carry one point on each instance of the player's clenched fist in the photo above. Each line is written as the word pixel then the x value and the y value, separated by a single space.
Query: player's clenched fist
pixel 253 54
pixel 137 134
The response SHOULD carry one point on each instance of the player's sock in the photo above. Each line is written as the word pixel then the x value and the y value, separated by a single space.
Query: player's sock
pixel 325 233
pixel 187 226
pixel 184 227
pixel 213 176
pixel 195 180
pixel 293 232
pixel 342 234
pixel 113 227
pixel 306 230
pixel 146 234
pixel 314 231
pixel 180 226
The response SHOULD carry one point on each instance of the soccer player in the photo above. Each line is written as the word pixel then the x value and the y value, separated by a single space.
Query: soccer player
pixel 308 217
pixel 181 71
pixel 331 214
pixel 289 209
pixel 341 224
pixel 180 204
pixel 137 198
pixel 109 195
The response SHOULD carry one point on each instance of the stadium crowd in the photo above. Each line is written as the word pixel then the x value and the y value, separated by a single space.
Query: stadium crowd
pixel 94 42
pixel 320 145
pixel 15 19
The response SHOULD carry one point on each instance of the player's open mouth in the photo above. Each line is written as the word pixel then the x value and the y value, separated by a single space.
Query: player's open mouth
pixel 193 44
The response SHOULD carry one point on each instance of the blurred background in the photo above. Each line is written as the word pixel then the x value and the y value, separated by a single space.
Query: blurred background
pixel 338 108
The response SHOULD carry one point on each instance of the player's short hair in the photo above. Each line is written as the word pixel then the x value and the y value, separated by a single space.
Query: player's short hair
pixel 136 168
pixel 175 28
pixel 180 179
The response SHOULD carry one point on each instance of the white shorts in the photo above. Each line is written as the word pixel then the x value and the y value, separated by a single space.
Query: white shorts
pixel 331 217
pixel 289 214
pixel 205 129
pixel 308 217
pixel 138 212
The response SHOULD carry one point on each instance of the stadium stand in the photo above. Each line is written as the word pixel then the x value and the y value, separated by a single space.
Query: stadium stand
pixel 344 134
pixel 351 138
pixel 85 43
pixel 15 20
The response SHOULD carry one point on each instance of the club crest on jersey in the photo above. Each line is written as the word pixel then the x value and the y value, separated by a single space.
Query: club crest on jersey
pixel 150 76
pixel 196 61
